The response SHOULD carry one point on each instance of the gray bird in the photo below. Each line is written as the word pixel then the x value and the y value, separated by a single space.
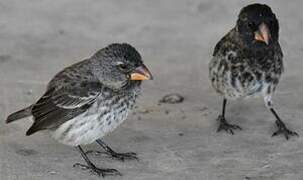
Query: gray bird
pixel 247 62
pixel 89 99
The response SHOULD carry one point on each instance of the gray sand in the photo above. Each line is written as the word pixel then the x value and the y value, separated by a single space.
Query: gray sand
pixel 174 141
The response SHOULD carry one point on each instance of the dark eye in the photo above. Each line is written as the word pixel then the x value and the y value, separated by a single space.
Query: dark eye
pixel 123 67
pixel 251 25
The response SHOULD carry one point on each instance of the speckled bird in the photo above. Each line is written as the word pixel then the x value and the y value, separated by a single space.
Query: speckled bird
pixel 89 99
pixel 247 61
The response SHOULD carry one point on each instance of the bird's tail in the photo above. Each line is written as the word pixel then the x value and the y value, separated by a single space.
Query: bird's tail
pixel 19 114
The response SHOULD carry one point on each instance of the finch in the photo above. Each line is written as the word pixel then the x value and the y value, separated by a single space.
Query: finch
pixel 86 101
pixel 247 61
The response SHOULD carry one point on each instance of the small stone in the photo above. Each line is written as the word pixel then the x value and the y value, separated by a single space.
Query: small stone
pixel 52 172
pixel 266 166
pixel 172 99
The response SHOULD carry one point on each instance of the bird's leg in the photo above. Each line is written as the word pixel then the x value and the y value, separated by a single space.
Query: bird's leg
pixel 93 168
pixel 224 125
pixel 282 129
pixel 119 156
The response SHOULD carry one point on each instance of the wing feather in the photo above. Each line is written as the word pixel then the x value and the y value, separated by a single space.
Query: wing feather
pixel 59 105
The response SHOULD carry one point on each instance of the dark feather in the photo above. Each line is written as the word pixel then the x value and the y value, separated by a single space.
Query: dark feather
pixel 19 114
pixel 57 106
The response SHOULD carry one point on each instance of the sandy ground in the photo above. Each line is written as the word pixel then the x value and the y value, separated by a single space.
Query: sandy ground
pixel 176 40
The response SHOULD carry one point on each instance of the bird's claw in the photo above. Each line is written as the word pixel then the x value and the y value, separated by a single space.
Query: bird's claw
pixel 224 125
pixel 286 132
pixel 98 171
pixel 282 129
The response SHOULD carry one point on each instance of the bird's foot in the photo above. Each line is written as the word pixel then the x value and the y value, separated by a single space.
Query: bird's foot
pixel 224 125
pixel 118 156
pixel 282 129
pixel 124 156
pixel 98 171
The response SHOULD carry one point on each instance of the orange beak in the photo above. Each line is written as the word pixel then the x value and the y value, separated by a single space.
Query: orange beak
pixel 263 33
pixel 141 73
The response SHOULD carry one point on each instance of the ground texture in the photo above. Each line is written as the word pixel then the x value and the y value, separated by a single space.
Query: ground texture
pixel 176 39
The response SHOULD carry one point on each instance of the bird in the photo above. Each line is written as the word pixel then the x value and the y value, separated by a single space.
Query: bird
pixel 248 62
pixel 88 100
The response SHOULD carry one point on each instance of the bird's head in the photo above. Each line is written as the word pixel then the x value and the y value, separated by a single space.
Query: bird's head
pixel 258 25
pixel 118 65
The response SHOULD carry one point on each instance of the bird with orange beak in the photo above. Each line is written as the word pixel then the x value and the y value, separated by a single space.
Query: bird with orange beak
pixel 247 62
pixel 90 99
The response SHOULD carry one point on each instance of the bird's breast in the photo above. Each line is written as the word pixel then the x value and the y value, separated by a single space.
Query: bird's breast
pixel 240 78
pixel 100 119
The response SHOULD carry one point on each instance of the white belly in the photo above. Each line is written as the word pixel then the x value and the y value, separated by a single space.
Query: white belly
pixel 91 125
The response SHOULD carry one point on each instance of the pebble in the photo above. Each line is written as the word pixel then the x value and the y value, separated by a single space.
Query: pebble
pixel 173 98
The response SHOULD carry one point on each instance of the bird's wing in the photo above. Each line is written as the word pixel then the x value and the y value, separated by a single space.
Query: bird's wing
pixel 228 41
pixel 218 46
pixel 75 97
pixel 59 105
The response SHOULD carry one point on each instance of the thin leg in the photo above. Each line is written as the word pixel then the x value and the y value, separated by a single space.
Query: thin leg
pixel 119 156
pixel 93 168
pixel 282 129
pixel 224 107
pixel 224 125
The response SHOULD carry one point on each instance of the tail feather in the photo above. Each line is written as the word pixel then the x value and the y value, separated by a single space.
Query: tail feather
pixel 19 114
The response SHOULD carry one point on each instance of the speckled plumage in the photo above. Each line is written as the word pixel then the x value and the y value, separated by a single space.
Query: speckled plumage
pixel 236 71
pixel 108 111
pixel 247 62
pixel 89 99
pixel 77 104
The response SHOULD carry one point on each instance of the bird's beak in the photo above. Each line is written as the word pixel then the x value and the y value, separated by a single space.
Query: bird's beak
pixel 141 73
pixel 263 33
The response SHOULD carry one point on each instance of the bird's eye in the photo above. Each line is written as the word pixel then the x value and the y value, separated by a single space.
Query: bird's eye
pixel 123 67
pixel 251 25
